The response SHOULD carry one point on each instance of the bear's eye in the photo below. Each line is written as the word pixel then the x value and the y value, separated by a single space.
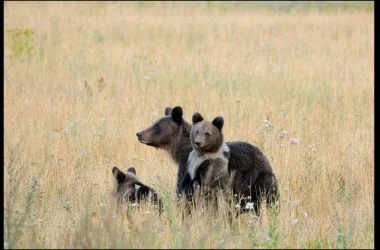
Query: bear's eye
pixel 207 134
pixel 156 127
pixel 197 132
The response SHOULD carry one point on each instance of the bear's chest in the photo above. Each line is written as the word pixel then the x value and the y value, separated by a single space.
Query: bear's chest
pixel 196 159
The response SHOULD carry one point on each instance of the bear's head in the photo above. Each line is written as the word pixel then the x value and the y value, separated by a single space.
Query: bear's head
pixel 206 136
pixel 125 184
pixel 131 190
pixel 162 131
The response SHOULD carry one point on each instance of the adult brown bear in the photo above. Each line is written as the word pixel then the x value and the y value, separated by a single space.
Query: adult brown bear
pixel 251 171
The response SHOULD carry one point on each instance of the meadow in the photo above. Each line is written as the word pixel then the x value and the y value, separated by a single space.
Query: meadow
pixel 81 78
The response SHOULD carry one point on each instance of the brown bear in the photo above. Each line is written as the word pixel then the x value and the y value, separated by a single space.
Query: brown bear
pixel 131 190
pixel 250 169
pixel 207 164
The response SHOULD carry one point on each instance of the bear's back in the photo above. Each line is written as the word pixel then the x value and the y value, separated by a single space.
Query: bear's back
pixel 244 156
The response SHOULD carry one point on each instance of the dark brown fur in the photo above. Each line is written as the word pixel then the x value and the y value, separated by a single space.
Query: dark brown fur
pixel 175 138
pixel 252 174
pixel 207 164
pixel 205 136
pixel 128 192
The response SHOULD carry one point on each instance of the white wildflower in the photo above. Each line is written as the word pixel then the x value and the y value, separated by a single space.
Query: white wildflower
pixel 305 214
pixel 83 154
pixel 249 205
pixel 284 133
pixel 266 122
pixel 295 221
pixel 295 141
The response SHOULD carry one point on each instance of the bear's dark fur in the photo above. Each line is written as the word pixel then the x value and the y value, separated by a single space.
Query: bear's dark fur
pixel 131 190
pixel 171 133
pixel 207 164
pixel 250 169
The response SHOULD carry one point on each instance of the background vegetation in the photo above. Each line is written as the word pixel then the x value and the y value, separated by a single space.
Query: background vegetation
pixel 81 78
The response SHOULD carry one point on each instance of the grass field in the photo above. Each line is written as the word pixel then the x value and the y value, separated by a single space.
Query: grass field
pixel 80 79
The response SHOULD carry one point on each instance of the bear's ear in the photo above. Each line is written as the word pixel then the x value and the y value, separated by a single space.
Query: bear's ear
pixel 132 170
pixel 197 117
pixel 218 122
pixel 114 170
pixel 168 111
pixel 177 114
pixel 120 176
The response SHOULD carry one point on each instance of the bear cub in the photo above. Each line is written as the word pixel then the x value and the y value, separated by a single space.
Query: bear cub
pixel 207 164
pixel 131 190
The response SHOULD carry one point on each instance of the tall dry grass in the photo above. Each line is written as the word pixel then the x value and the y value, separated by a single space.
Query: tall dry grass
pixel 82 78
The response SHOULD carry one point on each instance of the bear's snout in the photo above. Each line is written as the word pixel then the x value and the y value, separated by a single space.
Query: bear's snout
pixel 141 136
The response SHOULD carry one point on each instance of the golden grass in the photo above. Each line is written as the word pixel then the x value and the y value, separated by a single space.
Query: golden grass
pixel 307 72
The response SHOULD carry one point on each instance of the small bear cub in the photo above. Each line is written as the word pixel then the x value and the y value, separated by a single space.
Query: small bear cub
pixel 207 164
pixel 131 190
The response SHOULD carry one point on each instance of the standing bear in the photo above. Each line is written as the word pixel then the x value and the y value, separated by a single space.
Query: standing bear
pixel 250 169
pixel 207 164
